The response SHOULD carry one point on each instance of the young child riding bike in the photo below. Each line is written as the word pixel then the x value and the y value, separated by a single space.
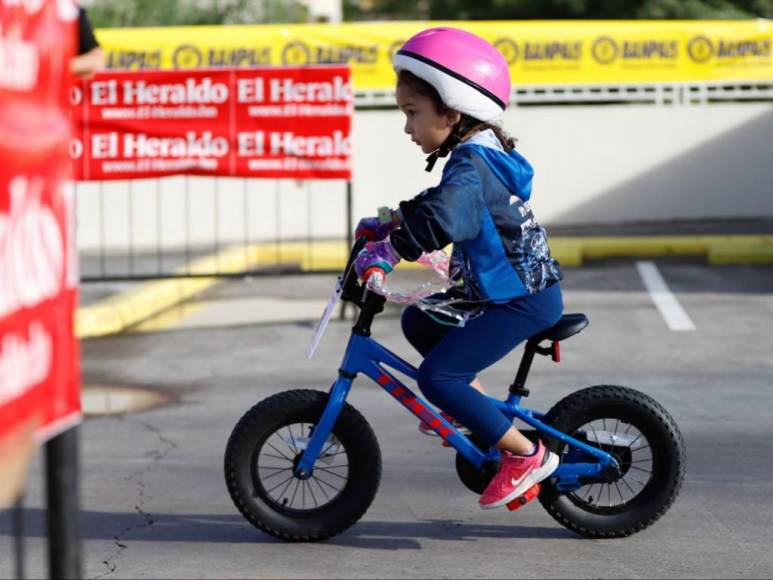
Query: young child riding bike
pixel 453 88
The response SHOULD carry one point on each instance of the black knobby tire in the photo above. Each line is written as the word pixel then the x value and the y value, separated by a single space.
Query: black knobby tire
pixel 242 474
pixel 667 462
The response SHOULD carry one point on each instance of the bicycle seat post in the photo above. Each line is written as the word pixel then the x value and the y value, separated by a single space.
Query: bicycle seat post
pixel 518 388
pixel 568 325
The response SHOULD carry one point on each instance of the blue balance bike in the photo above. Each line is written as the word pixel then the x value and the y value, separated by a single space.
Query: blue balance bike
pixel 304 465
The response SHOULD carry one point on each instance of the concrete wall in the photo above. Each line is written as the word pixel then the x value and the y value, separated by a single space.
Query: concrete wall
pixel 605 164
pixel 594 165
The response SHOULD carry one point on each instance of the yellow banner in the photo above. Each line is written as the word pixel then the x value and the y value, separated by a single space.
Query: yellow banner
pixel 539 52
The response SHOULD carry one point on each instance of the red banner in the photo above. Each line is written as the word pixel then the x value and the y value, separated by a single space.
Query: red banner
pixel 39 384
pixel 278 122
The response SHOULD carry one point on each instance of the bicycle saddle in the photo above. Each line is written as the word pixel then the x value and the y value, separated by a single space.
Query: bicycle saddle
pixel 569 325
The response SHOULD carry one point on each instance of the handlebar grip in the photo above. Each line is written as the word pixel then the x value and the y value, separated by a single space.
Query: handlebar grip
pixel 372 271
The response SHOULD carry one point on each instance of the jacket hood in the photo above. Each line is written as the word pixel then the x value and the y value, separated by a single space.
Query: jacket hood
pixel 510 168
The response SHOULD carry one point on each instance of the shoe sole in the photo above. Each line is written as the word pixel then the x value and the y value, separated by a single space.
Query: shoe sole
pixel 532 479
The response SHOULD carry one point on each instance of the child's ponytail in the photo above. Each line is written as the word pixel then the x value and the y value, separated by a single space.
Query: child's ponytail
pixel 508 142
pixel 467 124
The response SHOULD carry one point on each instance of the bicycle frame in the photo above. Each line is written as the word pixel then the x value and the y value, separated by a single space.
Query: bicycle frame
pixel 364 355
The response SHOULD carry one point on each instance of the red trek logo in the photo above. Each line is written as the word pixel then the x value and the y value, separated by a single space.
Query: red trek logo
pixel 410 402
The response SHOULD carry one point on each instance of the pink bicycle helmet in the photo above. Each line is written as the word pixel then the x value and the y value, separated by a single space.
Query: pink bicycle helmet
pixel 470 75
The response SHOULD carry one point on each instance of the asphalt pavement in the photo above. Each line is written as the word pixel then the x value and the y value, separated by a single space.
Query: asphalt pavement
pixel 154 498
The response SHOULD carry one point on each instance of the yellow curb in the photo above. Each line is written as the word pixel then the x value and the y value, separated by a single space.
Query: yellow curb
pixel 170 317
pixel 660 246
pixel 119 312
pixel 566 251
pixel 738 254
pixel 572 250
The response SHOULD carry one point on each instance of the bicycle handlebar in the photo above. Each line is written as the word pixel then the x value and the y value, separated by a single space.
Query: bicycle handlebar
pixel 353 291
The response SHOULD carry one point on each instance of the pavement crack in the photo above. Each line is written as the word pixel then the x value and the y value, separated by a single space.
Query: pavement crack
pixel 155 455
pixel 109 562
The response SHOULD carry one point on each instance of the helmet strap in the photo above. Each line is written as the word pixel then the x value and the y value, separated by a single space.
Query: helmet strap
pixel 457 135
pixel 431 159
pixel 445 148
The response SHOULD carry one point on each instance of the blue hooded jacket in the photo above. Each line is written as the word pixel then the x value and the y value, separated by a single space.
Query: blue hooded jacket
pixel 481 205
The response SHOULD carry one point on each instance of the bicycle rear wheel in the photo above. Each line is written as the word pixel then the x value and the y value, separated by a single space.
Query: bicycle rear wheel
pixel 645 441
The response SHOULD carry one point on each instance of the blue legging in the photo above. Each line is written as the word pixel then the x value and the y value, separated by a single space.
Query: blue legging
pixel 454 356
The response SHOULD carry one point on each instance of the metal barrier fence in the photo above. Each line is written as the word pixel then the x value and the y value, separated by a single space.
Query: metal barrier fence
pixel 186 226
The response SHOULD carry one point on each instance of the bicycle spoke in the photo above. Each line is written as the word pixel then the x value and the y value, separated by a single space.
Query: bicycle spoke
pixel 635 440
pixel 327 483
pixel 292 438
pixel 327 497
pixel 588 494
pixel 289 479
pixel 332 443
pixel 280 453
pixel 275 457
pixel 640 469
pixel 261 467
pixel 314 499
pixel 627 485
pixel 639 482
pixel 336 453
pixel 297 485
pixel 639 448
pixel 596 435
pixel 275 474
pixel 620 492
pixel 599 494
pixel 333 473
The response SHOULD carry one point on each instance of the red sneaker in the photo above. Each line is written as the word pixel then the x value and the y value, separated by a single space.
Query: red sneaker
pixel 516 475
pixel 427 430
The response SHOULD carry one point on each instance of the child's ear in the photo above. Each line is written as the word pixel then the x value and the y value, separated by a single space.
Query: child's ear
pixel 452 117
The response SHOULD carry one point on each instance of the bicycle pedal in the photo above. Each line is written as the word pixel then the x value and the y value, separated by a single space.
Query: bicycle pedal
pixel 522 500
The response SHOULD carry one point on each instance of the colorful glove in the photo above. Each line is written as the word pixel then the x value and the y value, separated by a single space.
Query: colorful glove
pixel 376 228
pixel 376 256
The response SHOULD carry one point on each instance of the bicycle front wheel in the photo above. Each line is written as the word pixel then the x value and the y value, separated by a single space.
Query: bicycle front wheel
pixel 266 445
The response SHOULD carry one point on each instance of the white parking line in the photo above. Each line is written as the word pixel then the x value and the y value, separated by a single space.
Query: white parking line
pixel 670 309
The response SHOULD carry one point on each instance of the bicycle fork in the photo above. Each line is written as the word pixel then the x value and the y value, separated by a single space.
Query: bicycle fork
pixel 322 430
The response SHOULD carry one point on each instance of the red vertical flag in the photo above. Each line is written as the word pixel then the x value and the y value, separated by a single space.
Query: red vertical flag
pixel 39 375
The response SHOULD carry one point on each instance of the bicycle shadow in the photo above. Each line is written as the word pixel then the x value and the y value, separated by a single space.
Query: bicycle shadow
pixel 402 535
pixel 234 529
